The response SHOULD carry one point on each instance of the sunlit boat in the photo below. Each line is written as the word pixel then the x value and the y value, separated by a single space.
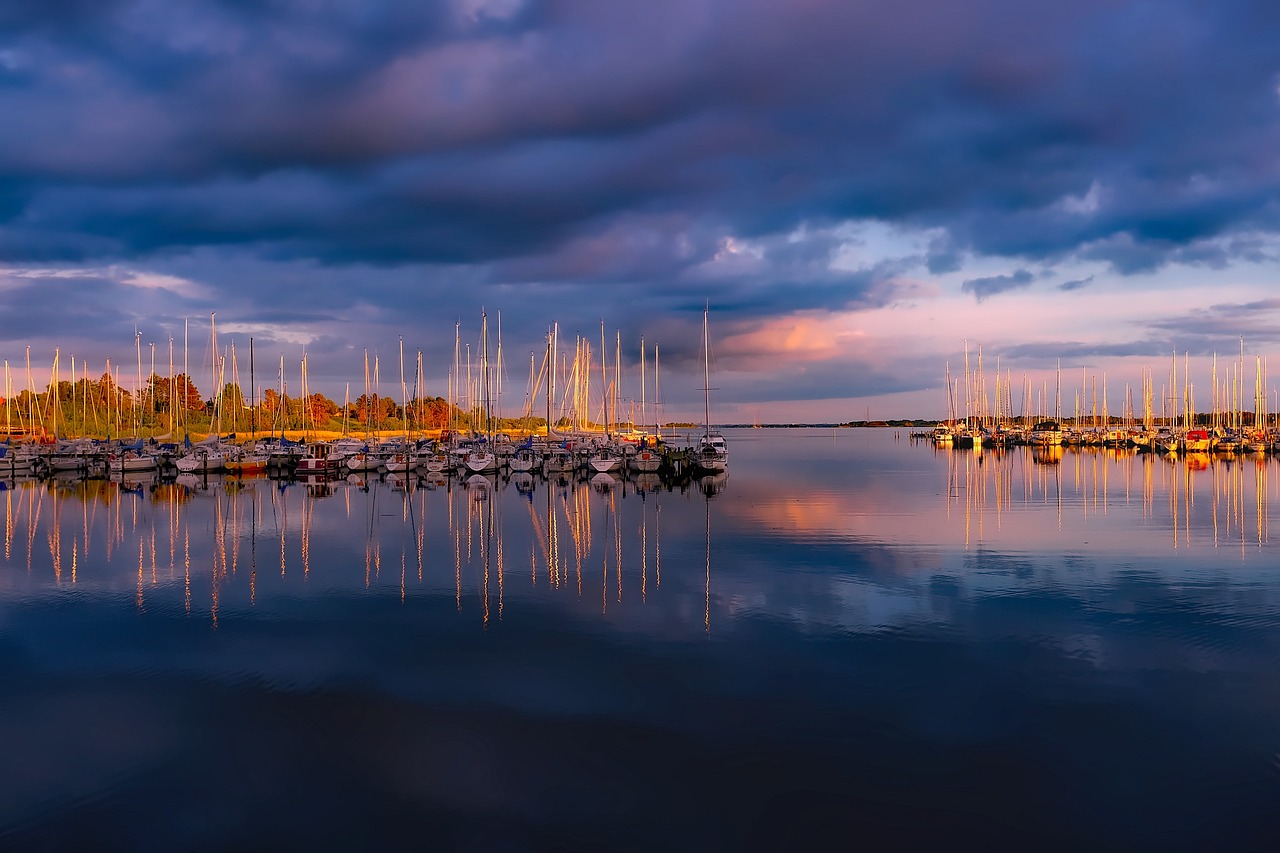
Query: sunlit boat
pixel 711 452
pixel 1047 434
pixel 479 460
pixel 646 460
pixel 1196 441
pixel 523 460
pixel 131 459
pixel 605 460
pixel 559 461
pixel 251 460
pixel 317 458
pixel 200 460
pixel 363 460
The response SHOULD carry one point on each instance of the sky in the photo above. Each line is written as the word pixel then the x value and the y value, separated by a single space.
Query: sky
pixel 854 191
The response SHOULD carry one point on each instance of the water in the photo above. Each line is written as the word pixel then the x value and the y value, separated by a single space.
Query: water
pixel 850 639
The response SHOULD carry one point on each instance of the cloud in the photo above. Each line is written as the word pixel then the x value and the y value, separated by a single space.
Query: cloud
pixel 497 126
pixel 1076 284
pixel 402 163
pixel 984 288
pixel 1221 327
pixel 1046 353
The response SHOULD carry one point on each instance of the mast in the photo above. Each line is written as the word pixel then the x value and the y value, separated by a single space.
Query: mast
pixel 643 418
pixel 377 398
pixel 54 396
pixel 706 373
pixel 404 399
pixel 419 392
pixel 213 345
pixel 368 399
pixel 484 376
pixel 173 393
pixel 284 401
pixel 1057 396
pixel 528 406
pixel 457 365
pixel 253 396
pixel 498 370
pixel 657 396
pixel 604 381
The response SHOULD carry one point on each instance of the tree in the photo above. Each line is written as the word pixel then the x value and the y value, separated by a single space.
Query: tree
pixel 178 394
pixel 429 413
pixel 232 397
pixel 319 409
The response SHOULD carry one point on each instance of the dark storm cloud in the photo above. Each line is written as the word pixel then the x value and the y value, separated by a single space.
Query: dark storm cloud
pixel 984 288
pixel 396 131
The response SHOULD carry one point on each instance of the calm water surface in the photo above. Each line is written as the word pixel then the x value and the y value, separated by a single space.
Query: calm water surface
pixel 850 640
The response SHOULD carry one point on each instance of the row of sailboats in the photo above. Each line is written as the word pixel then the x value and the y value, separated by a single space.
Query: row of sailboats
pixel 571 442
pixel 1229 426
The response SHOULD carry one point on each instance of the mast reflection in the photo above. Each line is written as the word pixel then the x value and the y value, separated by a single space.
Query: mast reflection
pixel 564 523
pixel 1197 498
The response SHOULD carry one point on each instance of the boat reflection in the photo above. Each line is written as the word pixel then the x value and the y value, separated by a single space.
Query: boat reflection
pixel 1214 499
pixel 483 539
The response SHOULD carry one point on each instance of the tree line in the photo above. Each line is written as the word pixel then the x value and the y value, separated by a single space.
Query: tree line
pixel 100 407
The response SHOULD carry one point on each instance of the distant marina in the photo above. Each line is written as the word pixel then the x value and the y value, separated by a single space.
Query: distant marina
pixel 1238 422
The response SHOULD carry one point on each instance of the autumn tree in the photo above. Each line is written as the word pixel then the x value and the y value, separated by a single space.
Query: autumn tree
pixel 178 393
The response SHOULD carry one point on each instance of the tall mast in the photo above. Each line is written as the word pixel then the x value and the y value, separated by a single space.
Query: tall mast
pixel 253 395
pixel 1057 396
pixel 604 381
pixel 497 370
pixel 54 396
pixel 137 398
pixel 404 398
pixel 213 345
pixel 284 400
pixel 528 406
pixel 643 418
pixel 457 341
pixel 657 394
pixel 706 373
pixel 172 390
pixel 484 375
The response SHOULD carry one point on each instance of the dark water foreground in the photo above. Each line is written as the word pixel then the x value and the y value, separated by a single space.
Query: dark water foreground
pixel 853 642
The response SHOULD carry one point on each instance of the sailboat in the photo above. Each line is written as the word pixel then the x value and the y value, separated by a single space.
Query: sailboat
pixel 479 457
pixel 711 453
pixel 647 459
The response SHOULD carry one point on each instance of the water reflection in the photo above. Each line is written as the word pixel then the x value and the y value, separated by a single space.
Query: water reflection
pixel 1196 498
pixel 192 536
pixel 925 642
